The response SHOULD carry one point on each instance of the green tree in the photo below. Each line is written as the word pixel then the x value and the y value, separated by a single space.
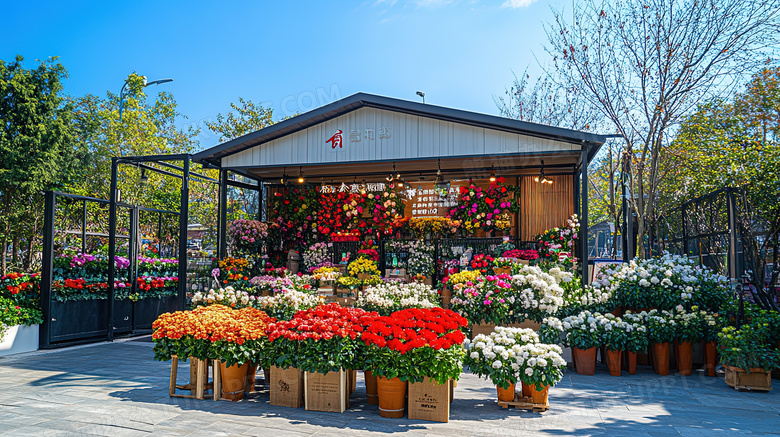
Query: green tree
pixel 736 144
pixel 36 145
pixel 646 64
pixel 245 118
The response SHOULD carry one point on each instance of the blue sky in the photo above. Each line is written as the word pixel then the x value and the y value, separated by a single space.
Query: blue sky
pixel 293 56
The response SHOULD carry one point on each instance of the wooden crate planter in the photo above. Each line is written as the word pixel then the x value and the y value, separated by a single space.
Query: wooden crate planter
pixel 525 403
pixel 487 328
pixel 326 392
pixel 756 379
pixel 199 379
pixel 286 387
pixel 430 401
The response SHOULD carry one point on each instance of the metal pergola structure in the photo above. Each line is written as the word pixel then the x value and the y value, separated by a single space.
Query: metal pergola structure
pixel 183 173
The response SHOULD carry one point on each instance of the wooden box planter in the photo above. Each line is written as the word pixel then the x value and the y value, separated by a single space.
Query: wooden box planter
pixel 286 387
pixel 756 379
pixel 487 328
pixel 19 339
pixel 326 392
pixel 430 401
pixel 502 270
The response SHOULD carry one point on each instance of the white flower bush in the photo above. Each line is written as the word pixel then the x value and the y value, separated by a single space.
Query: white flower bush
pixel 662 282
pixel 536 292
pixel 388 297
pixel 540 364
pixel 227 296
pixel 285 304
pixel 584 330
pixel 495 355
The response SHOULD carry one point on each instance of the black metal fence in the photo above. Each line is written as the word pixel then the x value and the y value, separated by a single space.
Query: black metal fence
pixel 80 224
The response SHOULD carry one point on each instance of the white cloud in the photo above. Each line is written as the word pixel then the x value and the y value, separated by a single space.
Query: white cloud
pixel 514 4
pixel 432 3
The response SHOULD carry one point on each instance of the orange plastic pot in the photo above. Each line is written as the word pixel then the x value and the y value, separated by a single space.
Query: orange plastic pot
pixel 711 355
pixel 614 360
pixel 631 363
pixel 526 390
pixel 392 397
pixel 685 357
pixel 506 394
pixel 539 396
pixel 585 360
pixel 661 358
pixel 371 391
pixel 233 380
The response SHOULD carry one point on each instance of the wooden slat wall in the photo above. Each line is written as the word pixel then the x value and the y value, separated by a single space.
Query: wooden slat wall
pixel 545 206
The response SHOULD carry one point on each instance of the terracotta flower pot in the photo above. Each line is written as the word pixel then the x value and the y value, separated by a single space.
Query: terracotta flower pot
pixel 250 378
pixel 233 380
pixel 711 354
pixel 267 378
pixel 506 394
pixel 585 360
pixel 614 359
pixel 539 396
pixel 526 390
pixel 392 397
pixel 446 295
pixel 684 357
pixel 371 393
pixel 661 358
pixel 631 362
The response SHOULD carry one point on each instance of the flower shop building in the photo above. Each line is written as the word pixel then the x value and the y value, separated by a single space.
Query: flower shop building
pixel 427 158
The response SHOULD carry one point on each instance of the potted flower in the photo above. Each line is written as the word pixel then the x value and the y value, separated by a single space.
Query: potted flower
pixel 584 334
pixel 541 367
pixel 19 322
pixel 748 356
pixel 414 346
pixel 362 268
pixel 616 336
pixel 455 278
pixel 388 297
pixel 214 332
pixel 662 330
pixel 284 304
pixel 319 342
pixel 502 265
pixel 637 338
pixel 227 296
pixel 712 325
pixel 494 356
pixel 690 329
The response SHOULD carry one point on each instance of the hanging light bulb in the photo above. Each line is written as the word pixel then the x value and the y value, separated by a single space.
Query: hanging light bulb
pixel 492 176
pixel 389 178
pixel 301 179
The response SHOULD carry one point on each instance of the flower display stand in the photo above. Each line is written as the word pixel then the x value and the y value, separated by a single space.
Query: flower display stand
pixel 199 382
pixel 755 380
pixel 326 392
pixel 429 401
pixel 286 387
pixel 525 403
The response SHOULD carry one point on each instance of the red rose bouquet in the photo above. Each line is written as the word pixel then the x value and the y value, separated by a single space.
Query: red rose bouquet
pixel 322 339
pixel 414 343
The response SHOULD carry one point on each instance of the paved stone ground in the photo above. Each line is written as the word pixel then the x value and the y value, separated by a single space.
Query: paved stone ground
pixel 116 389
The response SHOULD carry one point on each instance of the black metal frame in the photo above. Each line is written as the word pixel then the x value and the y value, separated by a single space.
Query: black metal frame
pixel 47 339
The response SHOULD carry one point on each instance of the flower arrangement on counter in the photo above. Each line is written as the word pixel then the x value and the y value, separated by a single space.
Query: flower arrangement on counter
pixel 246 235
pixel 370 254
pixel 284 304
pixel 316 256
pixel 433 226
pixel 487 209
pixel 528 255
pixel 353 235
pixel 326 274
pixel 388 297
pixel 481 262
pixel 362 266
pixel 555 240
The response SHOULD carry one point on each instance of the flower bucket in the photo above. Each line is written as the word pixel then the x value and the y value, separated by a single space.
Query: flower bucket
pixel 251 373
pixel 371 388
pixel 585 360
pixel 661 358
pixel 539 396
pixel 526 390
pixel 507 394
pixel 684 357
pixel 711 354
pixel 614 359
pixel 631 362
pixel 392 397
pixel 233 380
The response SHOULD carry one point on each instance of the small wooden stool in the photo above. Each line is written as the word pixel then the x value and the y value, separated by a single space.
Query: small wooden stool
pixel 199 378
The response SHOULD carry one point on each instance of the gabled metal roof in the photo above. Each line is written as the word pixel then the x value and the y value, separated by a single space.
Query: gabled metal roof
pixel 214 154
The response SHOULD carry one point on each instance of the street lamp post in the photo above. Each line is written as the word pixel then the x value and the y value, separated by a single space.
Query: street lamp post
pixel 123 92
